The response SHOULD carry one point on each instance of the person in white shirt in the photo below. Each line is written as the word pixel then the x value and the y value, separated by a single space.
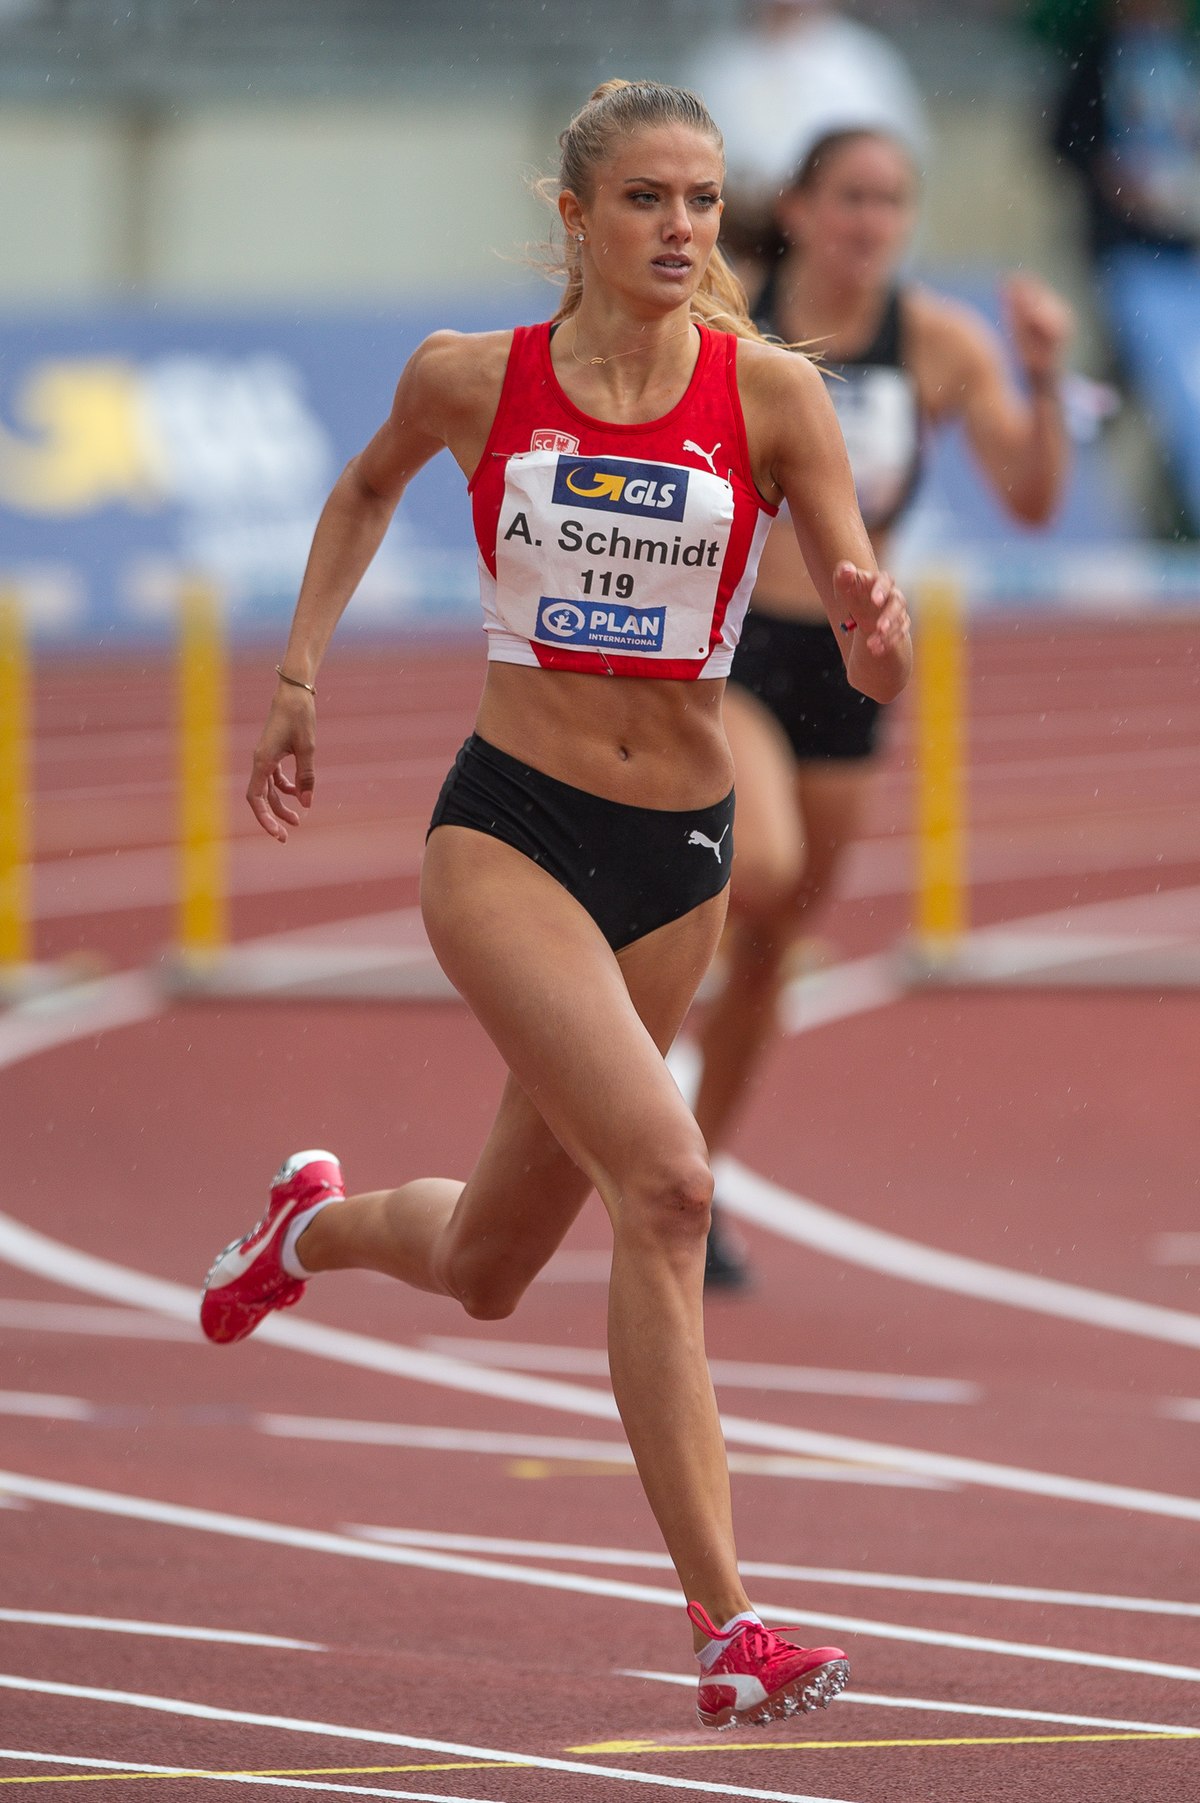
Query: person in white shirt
pixel 792 72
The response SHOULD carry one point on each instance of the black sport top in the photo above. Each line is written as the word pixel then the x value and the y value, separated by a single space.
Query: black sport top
pixel 877 408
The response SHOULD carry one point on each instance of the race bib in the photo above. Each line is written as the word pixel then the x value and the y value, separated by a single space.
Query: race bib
pixel 610 554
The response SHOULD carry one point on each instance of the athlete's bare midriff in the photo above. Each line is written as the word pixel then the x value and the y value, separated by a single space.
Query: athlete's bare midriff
pixel 784 589
pixel 637 740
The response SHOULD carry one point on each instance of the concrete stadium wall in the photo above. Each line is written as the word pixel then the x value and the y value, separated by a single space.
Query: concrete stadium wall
pixel 327 202
pixel 317 202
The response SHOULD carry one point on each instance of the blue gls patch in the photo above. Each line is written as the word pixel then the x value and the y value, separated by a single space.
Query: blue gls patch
pixel 652 491
pixel 600 626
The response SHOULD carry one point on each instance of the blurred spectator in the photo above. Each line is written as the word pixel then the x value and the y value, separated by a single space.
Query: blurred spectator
pixel 792 72
pixel 1128 121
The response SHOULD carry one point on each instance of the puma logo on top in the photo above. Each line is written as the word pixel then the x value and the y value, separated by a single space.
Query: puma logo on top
pixel 696 837
pixel 708 456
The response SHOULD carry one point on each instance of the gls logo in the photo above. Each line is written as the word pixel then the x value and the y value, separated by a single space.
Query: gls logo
pixel 618 485
pixel 603 628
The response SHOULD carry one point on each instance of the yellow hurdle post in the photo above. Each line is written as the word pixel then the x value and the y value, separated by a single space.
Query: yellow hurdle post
pixel 941 737
pixel 203 904
pixel 15 802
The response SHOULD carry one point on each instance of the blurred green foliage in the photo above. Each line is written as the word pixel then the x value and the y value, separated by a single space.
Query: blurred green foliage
pixel 1067 24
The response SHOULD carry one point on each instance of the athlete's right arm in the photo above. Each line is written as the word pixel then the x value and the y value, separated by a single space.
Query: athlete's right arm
pixel 441 399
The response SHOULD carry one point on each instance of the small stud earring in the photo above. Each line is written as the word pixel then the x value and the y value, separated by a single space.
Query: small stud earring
pixel 579 238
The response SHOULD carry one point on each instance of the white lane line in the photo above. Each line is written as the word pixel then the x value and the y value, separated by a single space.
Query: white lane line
pixel 548 1446
pixel 110 882
pixel 47 1021
pixel 1175 1249
pixel 808 1380
pixel 875 1700
pixel 34 1251
pixel 1181 1408
pixel 807 1223
pixel 45 1408
pixel 857 987
pixel 89 1318
pixel 132 997
pixel 155 1630
pixel 760 1568
pixel 571 1266
pixel 377 1737
pixel 186 1771
pixel 241 1527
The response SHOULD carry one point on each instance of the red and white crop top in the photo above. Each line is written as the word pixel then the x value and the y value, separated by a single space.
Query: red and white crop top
pixel 621 550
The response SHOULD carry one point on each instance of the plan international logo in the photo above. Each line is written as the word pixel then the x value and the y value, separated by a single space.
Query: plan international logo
pixel 607 628
pixel 654 491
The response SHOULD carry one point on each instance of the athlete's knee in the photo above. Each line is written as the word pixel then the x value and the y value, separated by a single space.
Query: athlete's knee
pixel 671 1197
pixel 490 1302
pixel 487 1288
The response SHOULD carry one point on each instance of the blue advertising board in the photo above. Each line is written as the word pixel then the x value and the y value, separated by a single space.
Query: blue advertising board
pixel 141 444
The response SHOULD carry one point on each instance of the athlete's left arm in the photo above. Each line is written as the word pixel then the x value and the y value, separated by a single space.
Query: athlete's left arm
pixel 799 455
pixel 1017 435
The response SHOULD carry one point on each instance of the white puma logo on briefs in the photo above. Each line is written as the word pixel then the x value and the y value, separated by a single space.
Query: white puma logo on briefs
pixel 696 837
pixel 708 456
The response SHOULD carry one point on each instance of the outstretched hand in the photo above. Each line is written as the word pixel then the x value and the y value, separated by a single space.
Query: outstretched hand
pixel 878 609
pixel 290 732
pixel 1040 324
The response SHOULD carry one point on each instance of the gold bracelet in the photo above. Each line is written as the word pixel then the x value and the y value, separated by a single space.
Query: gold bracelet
pixel 295 681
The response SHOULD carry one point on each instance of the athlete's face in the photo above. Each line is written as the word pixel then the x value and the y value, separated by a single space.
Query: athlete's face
pixel 854 219
pixel 651 219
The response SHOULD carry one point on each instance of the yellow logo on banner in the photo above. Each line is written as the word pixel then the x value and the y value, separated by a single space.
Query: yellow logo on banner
pixel 603 485
pixel 84 442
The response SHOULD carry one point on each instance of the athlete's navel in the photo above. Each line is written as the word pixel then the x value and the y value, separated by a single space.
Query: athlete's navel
pixel 623 753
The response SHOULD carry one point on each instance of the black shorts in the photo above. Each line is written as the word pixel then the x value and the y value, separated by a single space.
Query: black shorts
pixel 633 869
pixel 795 668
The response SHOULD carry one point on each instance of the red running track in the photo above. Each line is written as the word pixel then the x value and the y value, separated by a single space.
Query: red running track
pixel 983 1486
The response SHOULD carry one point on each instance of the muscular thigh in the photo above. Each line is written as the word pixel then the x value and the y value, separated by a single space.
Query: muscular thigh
pixel 581 1029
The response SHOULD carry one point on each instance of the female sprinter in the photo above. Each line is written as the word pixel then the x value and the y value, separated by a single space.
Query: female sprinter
pixel 899 359
pixel 624 461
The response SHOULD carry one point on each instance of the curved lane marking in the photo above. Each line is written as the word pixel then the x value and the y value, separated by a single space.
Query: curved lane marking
pixel 793 1217
pixel 851 988
pixel 46 1022
pixel 856 988
pixel 241 1527
pixel 33 1251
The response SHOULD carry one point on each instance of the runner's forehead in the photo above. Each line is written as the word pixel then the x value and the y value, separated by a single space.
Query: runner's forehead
pixel 679 154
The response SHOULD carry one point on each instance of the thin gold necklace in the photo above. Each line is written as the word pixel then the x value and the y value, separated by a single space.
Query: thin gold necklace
pixel 597 362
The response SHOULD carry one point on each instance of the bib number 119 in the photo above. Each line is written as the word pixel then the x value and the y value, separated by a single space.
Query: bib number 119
pixel 606 582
